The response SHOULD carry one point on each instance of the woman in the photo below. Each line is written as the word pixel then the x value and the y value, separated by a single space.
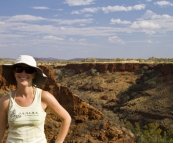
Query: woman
pixel 24 108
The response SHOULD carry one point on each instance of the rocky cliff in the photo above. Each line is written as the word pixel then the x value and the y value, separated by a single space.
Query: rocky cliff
pixel 166 69
pixel 142 92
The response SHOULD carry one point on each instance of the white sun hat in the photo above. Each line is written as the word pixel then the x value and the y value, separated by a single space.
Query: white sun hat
pixel 7 70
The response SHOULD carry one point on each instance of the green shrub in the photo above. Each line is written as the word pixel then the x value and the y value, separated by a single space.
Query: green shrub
pixel 58 72
pixel 90 81
pixel 145 68
pixel 152 84
pixel 150 133
pixel 108 72
pixel 145 78
pixel 97 73
pixel 114 78
pixel 93 71
pixel 133 94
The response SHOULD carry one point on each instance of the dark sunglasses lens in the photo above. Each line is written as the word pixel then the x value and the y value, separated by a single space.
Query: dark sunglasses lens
pixel 18 69
pixel 29 70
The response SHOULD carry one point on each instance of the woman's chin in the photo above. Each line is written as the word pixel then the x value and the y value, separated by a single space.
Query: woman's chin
pixel 23 83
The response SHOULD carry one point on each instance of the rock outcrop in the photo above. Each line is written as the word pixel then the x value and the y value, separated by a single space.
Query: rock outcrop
pixel 104 67
pixel 114 67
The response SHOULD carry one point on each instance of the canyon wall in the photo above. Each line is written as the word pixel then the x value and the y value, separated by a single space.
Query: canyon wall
pixel 113 67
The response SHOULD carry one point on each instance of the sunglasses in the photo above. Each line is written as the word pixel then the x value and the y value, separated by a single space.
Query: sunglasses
pixel 20 69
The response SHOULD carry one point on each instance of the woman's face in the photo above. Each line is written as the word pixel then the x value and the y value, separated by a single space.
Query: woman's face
pixel 24 74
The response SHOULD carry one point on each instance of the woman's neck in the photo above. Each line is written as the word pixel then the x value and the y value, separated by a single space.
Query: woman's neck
pixel 24 91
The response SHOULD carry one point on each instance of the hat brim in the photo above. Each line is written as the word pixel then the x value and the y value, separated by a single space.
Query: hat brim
pixel 7 72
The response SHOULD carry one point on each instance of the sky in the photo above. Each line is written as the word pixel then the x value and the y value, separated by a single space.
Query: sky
pixel 68 29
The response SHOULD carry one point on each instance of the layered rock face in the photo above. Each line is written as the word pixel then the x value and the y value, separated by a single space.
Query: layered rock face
pixel 104 67
pixel 79 110
pixel 166 69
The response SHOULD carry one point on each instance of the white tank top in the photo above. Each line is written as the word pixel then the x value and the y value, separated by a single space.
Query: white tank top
pixel 26 124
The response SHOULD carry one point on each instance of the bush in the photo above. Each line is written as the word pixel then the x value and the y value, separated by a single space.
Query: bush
pixel 114 78
pixel 152 84
pixel 58 72
pixel 97 73
pixel 145 68
pixel 93 71
pixel 150 133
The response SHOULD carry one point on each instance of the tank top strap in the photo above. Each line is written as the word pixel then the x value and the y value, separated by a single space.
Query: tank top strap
pixel 10 94
pixel 38 95
pixel 11 99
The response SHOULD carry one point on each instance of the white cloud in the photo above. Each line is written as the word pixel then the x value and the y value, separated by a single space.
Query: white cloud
pixel 151 15
pixel 50 37
pixel 87 15
pixel 2 23
pixel 82 40
pixel 109 9
pixel 40 7
pixel 29 18
pixel 89 10
pixel 76 12
pixel 71 39
pixel 145 24
pixel 148 0
pixel 149 32
pixel 138 7
pixel 79 2
pixel 123 8
pixel 60 9
pixel 25 18
pixel 115 39
pixel 62 28
pixel 74 21
pixel 158 23
pixel 149 41
pixel 82 24
pixel 3 45
pixel 163 3
pixel 118 21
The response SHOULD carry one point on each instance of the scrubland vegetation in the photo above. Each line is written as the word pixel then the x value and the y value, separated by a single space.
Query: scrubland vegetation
pixel 97 60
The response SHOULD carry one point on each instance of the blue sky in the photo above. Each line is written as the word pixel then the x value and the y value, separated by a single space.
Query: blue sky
pixel 67 29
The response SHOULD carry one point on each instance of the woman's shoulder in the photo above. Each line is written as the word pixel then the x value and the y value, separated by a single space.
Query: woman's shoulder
pixel 47 96
pixel 42 90
pixel 4 101
pixel 6 97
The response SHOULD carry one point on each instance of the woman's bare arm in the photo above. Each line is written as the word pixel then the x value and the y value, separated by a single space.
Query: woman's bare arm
pixel 58 110
pixel 4 102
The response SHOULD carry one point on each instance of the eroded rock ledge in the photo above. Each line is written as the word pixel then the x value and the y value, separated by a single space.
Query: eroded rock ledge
pixel 112 67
